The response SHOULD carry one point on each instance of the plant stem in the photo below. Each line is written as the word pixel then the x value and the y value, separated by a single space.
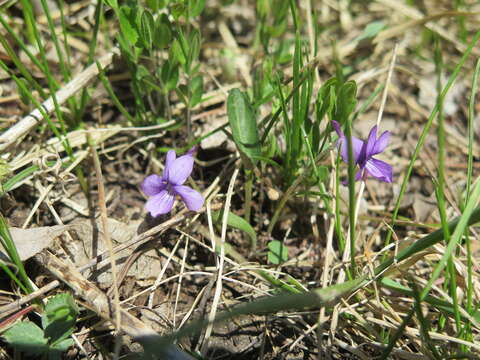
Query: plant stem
pixel 248 194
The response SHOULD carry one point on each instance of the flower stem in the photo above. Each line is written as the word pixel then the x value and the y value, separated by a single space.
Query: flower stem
pixel 248 194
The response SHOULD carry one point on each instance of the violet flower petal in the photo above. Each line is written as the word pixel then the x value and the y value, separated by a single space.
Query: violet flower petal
pixel 381 143
pixel 357 146
pixel 380 170
pixel 192 198
pixel 370 143
pixel 152 185
pixel 170 158
pixel 160 203
pixel 191 151
pixel 180 170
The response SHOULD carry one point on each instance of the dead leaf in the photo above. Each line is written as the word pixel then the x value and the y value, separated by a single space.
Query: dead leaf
pixel 87 243
pixel 30 242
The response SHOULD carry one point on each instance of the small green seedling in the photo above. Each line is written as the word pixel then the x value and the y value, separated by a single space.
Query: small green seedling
pixel 50 341
pixel 277 252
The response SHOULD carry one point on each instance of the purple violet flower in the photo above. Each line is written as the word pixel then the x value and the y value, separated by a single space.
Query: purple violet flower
pixel 162 190
pixel 363 152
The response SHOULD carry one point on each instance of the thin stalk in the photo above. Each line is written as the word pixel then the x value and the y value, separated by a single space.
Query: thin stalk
pixel 52 84
pixel 116 101
pixel 441 181
pixel 470 119
pixel 273 119
pixel 38 105
pixel 351 194
pixel 338 222
pixel 424 325
pixel 91 53
pixel 12 276
pixel 11 249
pixel 283 201
pixel 26 7
pixel 457 227
pixel 293 152
pixel 463 33
pixel 64 31
pixel 294 15
pixel 386 353
pixel 320 184
pixel 63 66
pixel 18 63
pixel 248 193
pixel 19 41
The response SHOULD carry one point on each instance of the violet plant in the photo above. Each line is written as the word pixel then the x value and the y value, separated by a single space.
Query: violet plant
pixel 363 152
pixel 163 190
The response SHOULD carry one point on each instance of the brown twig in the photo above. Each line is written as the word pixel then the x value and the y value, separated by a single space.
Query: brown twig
pixel 15 305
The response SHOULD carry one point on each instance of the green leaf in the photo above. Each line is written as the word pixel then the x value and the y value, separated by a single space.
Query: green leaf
pixel 192 47
pixel 244 127
pixel 326 99
pixel 59 317
pixel 126 49
pixel 163 32
pixel 170 75
pixel 196 89
pixel 177 53
pixel 112 3
pixel 27 337
pixel 346 101
pixel 195 7
pixel 182 92
pixel 178 9
pixel 237 222
pixel 62 345
pixel 277 252
pixel 126 14
pixel 156 5
pixel 60 306
pixel 371 30
pixel 147 28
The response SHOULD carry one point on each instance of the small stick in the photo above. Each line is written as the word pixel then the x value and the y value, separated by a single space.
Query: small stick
pixel 15 305
pixel 387 83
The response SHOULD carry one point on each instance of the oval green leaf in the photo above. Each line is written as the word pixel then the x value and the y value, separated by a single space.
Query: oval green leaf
pixel 239 223
pixel 244 127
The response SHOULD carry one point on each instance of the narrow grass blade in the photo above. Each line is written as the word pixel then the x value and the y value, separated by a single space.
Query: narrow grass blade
pixel 425 131
pixel 9 246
